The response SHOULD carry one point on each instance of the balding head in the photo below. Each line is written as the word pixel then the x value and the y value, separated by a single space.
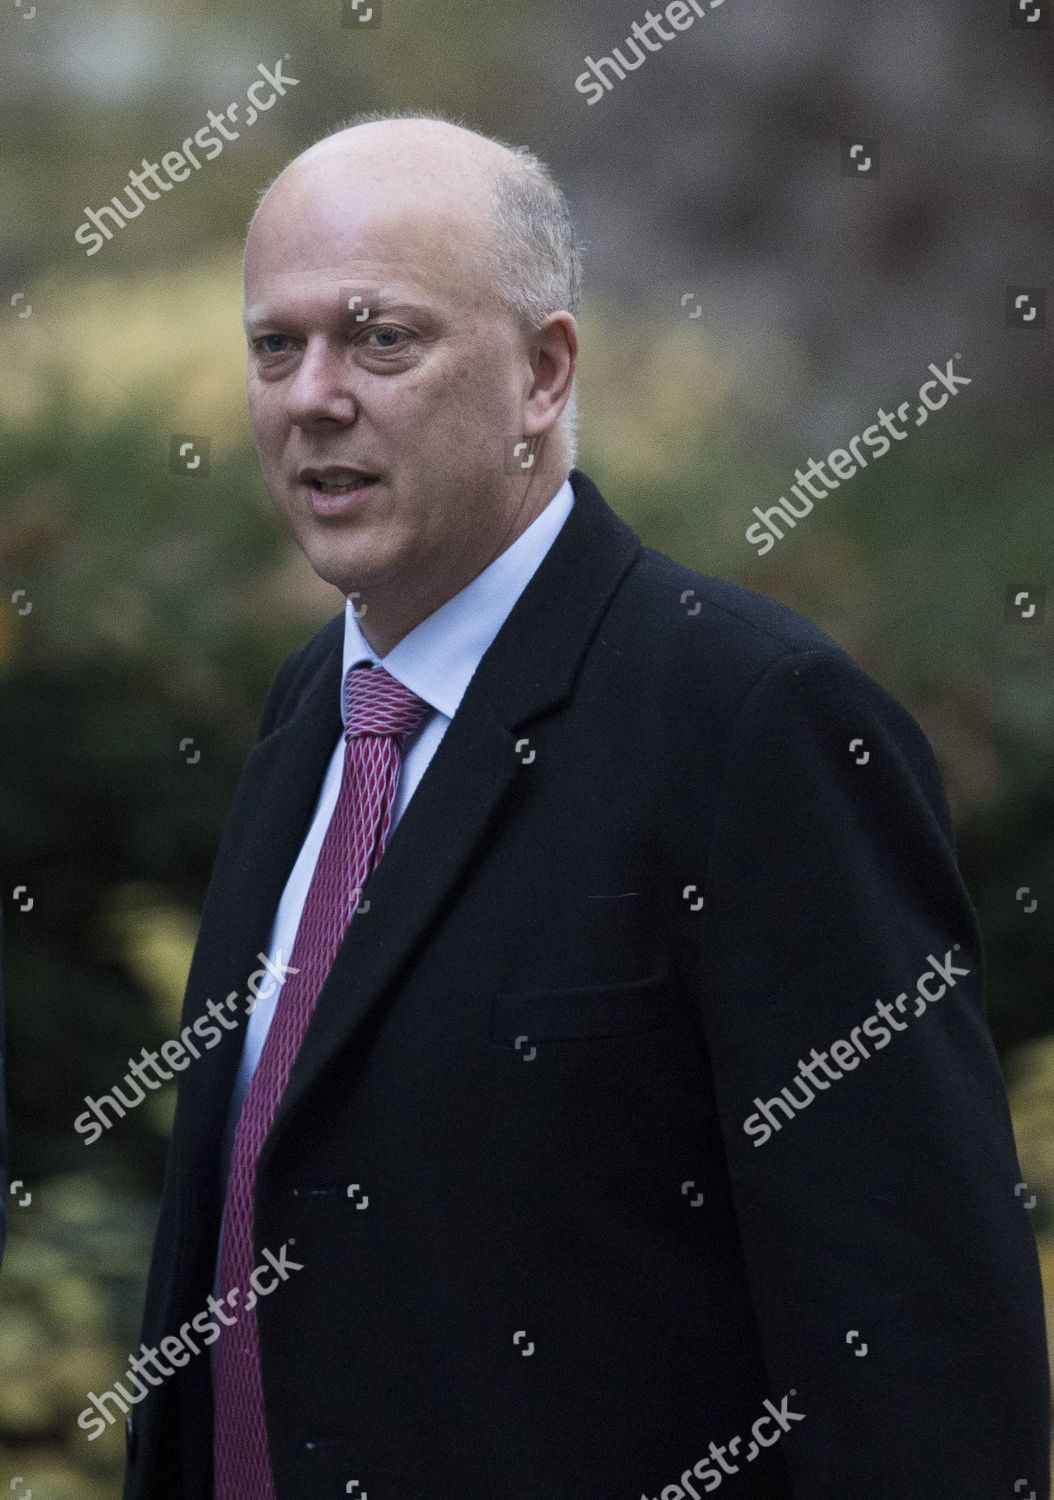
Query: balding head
pixel 459 249
pixel 413 152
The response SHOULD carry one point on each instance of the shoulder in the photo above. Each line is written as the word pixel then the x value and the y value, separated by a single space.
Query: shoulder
pixel 721 664
pixel 719 636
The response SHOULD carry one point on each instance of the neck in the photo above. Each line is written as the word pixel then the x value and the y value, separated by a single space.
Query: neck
pixel 385 621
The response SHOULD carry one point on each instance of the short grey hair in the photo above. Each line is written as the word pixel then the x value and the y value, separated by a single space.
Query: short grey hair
pixel 533 256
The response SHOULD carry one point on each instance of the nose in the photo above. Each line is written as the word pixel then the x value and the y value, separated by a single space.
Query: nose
pixel 319 392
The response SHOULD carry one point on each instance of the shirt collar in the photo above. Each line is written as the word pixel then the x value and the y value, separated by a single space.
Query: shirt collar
pixel 438 658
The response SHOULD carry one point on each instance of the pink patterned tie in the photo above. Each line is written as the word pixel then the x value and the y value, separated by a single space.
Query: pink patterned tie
pixel 380 712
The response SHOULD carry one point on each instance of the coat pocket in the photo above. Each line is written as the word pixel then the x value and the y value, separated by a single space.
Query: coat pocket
pixel 595 1010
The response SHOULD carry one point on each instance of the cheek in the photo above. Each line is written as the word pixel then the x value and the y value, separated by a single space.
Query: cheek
pixel 469 410
pixel 472 384
pixel 267 423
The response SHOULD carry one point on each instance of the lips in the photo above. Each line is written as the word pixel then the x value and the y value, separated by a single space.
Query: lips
pixel 335 480
pixel 333 490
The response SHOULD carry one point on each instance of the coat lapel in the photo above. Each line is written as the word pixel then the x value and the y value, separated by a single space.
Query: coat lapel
pixel 528 669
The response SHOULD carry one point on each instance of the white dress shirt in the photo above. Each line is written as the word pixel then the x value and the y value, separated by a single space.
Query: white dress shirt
pixel 436 660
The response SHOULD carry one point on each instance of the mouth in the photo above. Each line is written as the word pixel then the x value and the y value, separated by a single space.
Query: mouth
pixel 332 491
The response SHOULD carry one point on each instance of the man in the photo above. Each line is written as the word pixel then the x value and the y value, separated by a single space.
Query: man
pixel 619 1116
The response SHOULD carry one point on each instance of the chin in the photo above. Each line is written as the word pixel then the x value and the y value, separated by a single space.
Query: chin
pixel 345 572
pixel 335 573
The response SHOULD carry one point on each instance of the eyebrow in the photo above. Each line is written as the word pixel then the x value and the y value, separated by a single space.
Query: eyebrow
pixel 383 307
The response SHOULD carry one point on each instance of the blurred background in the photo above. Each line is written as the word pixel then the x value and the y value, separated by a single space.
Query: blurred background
pixel 754 294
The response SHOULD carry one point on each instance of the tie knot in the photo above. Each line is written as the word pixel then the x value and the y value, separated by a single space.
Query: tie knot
pixel 375 702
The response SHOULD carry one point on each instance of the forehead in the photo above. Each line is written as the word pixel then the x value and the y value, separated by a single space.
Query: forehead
pixel 327 226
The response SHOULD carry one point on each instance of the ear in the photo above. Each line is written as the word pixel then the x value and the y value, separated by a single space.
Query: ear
pixel 553 351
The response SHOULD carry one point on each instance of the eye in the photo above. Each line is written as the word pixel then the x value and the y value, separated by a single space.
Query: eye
pixel 262 345
pixel 383 329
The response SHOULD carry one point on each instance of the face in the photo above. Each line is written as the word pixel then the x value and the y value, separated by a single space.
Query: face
pixel 382 426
